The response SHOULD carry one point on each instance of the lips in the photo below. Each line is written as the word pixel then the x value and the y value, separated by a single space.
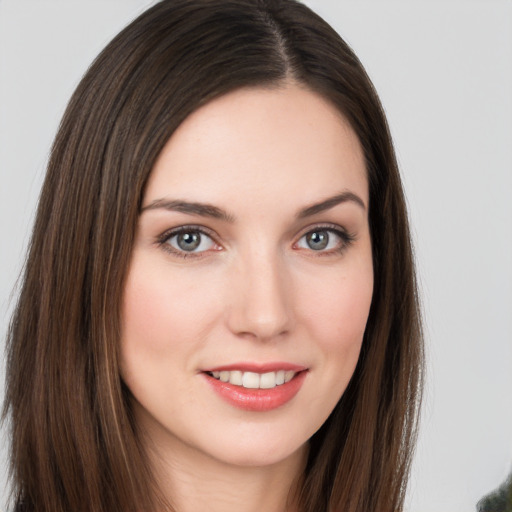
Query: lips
pixel 256 388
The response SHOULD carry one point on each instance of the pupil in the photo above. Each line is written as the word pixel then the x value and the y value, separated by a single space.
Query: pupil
pixel 189 241
pixel 318 240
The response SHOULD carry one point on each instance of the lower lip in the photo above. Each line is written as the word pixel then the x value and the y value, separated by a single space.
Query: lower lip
pixel 258 400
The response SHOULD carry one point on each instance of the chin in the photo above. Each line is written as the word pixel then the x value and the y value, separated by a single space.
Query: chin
pixel 259 451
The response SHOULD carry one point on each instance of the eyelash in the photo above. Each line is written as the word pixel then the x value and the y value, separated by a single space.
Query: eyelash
pixel 164 238
pixel 345 237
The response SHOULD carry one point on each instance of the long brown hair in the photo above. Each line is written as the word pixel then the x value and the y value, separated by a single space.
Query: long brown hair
pixel 74 444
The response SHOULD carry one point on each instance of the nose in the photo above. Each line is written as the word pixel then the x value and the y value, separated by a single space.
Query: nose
pixel 261 297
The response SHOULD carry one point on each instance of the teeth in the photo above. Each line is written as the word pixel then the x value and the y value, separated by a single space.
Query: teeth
pixel 236 378
pixel 288 376
pixel 252 380
pixel 268 380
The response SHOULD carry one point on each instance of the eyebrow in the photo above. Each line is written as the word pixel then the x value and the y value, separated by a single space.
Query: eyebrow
pixel 331 202
pixel 209 210
pixel 193 208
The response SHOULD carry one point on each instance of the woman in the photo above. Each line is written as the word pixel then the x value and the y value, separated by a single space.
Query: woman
pixel 219 307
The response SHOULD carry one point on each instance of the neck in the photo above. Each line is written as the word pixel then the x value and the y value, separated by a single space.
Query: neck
pixel 192 481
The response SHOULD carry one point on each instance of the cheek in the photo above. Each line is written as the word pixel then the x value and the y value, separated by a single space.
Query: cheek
pixel 142 313
pixel 160 311
pixel 335 316
pixel 338 310
pixel 161 330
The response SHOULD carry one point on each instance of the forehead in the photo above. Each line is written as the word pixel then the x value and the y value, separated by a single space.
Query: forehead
pixel 284 144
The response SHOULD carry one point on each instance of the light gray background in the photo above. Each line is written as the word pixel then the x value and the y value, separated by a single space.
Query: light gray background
pixel 443 70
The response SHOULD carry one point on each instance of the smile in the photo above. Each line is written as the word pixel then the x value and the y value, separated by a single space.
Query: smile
pixel 257 388
pixel 253 380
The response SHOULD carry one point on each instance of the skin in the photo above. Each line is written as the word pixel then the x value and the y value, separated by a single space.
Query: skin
pixel 254 291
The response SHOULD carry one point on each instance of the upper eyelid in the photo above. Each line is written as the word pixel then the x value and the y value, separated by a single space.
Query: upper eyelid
pixel 207 231
pixel 327 226
pixel 188 227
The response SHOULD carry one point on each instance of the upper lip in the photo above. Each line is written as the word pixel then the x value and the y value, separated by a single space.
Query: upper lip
pixel 257 367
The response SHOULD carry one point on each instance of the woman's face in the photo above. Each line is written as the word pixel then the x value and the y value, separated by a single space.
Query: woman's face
pixel 251 278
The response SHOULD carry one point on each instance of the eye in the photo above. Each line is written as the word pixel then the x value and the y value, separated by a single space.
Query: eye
pixel 187 241
pixel 323 239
